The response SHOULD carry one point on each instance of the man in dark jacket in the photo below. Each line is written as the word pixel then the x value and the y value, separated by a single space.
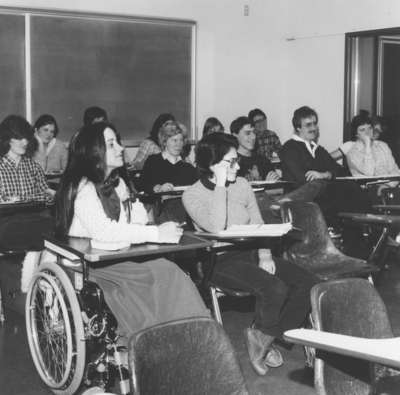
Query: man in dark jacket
pixel 305 162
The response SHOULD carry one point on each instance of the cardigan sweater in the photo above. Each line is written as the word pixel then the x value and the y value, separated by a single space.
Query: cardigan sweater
pixel 296 161
pixel 215 208
pixel 158 170
pixel 54 158
pixel 91 221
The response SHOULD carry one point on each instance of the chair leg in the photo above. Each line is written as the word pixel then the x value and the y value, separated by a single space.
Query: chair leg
pixel 2 316
pixel 215 305
pixel 309 352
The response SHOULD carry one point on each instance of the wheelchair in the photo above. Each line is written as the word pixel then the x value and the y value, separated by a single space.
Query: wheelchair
pixel 71 332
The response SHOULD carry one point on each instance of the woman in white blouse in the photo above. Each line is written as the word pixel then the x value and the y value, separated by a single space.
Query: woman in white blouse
pixel 93 201
pixel 368 157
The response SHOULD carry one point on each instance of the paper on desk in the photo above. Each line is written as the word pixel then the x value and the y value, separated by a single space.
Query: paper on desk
pixel 180 188
pixel 257 230
pixel 109 246
pixel 263 182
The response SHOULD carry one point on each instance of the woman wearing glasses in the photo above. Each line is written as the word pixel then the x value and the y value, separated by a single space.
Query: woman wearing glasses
pixel 221 199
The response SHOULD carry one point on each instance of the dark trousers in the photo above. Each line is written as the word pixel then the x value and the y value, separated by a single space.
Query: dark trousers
pixel 342 196
pixel 282 300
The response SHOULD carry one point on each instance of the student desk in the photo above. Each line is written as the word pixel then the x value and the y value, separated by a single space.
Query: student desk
pixel 221 243
pixel 75 247
pixel 384 351
pixel 9 208
pixel 365 181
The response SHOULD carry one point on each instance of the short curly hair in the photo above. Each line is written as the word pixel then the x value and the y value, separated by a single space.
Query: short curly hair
pixel 211 149
pixel 170 129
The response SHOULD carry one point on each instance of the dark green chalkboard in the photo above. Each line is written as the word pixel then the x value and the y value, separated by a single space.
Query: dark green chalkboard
pixel 12 64
pixel 133 68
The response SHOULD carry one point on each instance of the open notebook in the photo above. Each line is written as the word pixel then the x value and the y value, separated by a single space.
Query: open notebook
pixel 264 230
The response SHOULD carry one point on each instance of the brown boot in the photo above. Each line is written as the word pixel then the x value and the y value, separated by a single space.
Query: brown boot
pixel 257 346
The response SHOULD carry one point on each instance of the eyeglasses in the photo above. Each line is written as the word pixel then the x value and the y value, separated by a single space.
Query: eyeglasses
pixel 258 121
pixel 232 162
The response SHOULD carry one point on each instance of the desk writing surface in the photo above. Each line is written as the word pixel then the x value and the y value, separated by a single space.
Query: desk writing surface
pixel 81 247
pixel 369 178
pixel 21 206
pixel 384 351
pixel 378 219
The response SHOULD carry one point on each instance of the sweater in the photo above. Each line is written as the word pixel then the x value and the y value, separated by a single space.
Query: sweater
pixel 54 158
pixel 158 170
pixel 296 161
pixel 91 221
pixel 215 208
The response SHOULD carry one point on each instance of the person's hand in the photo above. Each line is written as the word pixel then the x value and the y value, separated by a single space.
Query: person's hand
pixel 163 188
pixel 254 174
pixel 365 139
pixel 272 176
pixel 317 175
pixel 268 265
pixel 220 171
pixel 169 232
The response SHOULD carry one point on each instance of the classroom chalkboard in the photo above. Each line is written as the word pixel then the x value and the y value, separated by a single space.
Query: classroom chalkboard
pixel 135 68
pixel 12 64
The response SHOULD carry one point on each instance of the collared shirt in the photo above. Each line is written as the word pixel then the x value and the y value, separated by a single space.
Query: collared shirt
pixel 311 145
pixel 170 158
pixel 268 143
pixel 25 181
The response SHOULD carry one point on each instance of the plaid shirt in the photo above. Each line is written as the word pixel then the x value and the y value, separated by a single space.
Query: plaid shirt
pixel 26 181
pixel 267 143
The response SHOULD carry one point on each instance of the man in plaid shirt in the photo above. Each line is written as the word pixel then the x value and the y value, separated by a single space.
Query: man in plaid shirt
pixel 268 143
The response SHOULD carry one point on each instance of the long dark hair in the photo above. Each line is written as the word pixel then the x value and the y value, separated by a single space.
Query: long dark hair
pixel 16 127
pixel 87 159
pixel 46 119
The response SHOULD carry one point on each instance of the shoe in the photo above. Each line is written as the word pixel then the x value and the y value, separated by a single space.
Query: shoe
pixel 273 359
pixel 334 233
pixel 257 345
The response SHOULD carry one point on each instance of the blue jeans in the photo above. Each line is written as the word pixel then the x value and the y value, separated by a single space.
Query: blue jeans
pixel 282 299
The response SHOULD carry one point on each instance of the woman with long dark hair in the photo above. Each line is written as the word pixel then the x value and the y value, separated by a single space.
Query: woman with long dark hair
pixel 93 201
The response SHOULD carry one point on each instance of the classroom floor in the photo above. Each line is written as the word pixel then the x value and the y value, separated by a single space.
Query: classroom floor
pixel 18 376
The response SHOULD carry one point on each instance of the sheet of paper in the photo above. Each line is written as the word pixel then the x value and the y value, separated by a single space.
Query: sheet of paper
pixel 109 246
pixel 272 230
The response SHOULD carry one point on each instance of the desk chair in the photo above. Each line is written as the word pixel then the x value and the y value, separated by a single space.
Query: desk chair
pixel 388 225
pixel 315 250
pixel 349 307
pixel 19 232
pixel 190 356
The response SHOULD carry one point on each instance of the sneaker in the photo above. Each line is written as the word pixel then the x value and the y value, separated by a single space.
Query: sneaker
pixel 257 345
pixel 273 359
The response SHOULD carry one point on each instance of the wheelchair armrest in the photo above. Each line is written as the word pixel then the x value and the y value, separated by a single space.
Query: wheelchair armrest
pixel 372 219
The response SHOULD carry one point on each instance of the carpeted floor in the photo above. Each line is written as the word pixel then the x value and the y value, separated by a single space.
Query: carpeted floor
pixel 18 376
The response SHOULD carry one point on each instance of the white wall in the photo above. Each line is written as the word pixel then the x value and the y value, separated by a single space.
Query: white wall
pixel 243 62
pixel 316 56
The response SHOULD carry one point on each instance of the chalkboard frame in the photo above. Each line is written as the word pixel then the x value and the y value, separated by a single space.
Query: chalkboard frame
pixel 28 12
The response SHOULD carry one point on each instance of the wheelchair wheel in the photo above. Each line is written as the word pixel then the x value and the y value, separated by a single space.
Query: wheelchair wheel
pixel 55 330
